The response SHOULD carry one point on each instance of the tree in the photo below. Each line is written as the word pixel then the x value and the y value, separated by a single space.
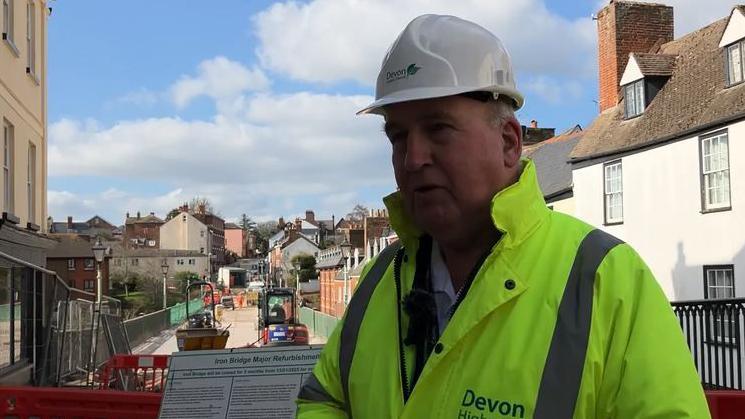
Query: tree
pixel 247 223
pixel 264 231
pixel 307 266
pixel 201 205
pixel 173 213
pixel 358 214
pixel 184 278
pixel 124 283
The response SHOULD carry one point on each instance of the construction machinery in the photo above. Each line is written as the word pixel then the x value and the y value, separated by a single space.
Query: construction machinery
pixel 278 318
pixel 201 331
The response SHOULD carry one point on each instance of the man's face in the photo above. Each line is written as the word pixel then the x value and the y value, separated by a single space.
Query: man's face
pixel 450 156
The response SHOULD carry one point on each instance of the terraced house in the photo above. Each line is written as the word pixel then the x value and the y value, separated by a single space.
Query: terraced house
pixel 24 283
pixel 663 165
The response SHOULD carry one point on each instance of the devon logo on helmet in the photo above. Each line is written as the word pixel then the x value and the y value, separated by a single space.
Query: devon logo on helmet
pixel 402 73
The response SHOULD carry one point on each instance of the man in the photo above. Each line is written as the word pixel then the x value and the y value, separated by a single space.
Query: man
pixel 493 306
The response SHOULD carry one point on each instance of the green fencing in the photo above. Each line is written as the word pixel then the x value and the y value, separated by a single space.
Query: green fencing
pixel 320 324
pixel 5 312
pixel 178 311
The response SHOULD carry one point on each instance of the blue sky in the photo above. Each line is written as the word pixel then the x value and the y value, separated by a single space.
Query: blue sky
pixel 251 103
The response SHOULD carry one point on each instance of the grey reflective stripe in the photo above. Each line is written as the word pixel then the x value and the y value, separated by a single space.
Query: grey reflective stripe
pixel 562 375
pixel 356 312
pixel 312 390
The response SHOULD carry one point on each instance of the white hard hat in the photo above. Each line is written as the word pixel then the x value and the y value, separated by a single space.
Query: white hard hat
pixel 437 56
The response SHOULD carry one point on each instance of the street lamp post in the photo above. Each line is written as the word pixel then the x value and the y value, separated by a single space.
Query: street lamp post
pixel 261 270
pixel 296 266
pixel 164 269
pixel 98 253
pixel 346 248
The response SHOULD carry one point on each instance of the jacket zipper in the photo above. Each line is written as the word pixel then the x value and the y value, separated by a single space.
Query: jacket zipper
pixel 401 350
pixel 461 295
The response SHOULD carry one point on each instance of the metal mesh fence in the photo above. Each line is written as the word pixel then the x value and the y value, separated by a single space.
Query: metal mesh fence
pixel 320 324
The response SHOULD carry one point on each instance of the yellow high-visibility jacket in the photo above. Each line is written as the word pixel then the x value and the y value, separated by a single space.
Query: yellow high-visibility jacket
pixel 561 321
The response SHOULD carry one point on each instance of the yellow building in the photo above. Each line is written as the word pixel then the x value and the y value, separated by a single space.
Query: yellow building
pixel 25 295
pixel 23 111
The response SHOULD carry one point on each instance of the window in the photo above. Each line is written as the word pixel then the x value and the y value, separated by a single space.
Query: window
pixel 719 283
pixel 192 262
pixel 201 250
pixel 31 38
pixel 734 63
pixel 7 167
pixel 634 98
pixel 31 183
pixel 135 262
pixel 715 172
pixel 117 262
pixel 613 189
pixel 201 233
pixel 89 264
pixel 17 328
pixel 8 21
pixel 70 264
pixel 88 285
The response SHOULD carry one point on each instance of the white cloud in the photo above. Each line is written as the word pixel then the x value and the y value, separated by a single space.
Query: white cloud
pixel 220 79
pixel 269 155
pixel 331 40
pixel 553 90
pixel 112 204
pixel 141 97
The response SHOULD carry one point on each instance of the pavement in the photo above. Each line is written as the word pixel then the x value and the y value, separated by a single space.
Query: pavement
pixel 242 323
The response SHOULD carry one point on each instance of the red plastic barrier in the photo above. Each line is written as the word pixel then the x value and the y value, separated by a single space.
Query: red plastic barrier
pixel 726 404
pixel 69 403
pixel 135 373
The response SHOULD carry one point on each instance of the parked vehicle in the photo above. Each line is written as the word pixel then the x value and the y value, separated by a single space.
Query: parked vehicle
pixel 228 302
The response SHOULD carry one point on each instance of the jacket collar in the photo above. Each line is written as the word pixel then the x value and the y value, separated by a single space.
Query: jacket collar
pixel 515 210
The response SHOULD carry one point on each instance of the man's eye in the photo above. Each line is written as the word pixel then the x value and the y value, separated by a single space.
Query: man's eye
pixel 438 127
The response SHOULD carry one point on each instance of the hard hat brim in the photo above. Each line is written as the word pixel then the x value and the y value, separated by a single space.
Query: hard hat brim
pixel 421 93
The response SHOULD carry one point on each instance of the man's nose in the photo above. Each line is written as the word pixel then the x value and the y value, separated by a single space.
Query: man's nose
pixel 418 152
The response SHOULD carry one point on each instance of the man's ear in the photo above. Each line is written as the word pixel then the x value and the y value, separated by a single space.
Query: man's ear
pixel 511 142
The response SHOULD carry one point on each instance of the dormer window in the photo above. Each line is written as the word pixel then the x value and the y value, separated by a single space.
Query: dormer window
pixel 634 98
pixel 734 63
pixel 733 42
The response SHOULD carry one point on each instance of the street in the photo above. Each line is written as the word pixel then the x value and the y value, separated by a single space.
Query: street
pixel 242 323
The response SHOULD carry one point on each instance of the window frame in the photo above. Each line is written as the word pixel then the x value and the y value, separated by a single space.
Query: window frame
pixel 712 330
pixel 92 286
pixel 705 207
pixel 606 220
pixel 741 47
pixel 71 264
pixel 8 29
pixel 635 103
pixel 31 40
pixel 8 181
pixel 31 182
pixel 89 264
pixel 21 292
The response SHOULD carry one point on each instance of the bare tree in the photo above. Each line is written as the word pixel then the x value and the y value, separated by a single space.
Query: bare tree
pixel 358 213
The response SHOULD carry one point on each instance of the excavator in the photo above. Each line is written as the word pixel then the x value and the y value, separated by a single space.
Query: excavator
pixel 278 323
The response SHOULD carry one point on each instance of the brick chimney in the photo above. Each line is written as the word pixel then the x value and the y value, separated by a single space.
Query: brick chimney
pixel 626 27
pixel 310 216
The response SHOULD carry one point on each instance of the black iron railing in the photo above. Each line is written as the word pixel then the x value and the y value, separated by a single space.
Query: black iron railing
pixel 714 330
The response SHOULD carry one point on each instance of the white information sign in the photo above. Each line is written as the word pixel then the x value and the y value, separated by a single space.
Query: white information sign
pixel 237 383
